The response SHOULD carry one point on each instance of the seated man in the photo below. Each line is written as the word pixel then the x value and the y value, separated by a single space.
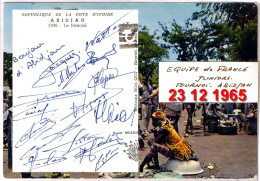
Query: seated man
pixel 167 142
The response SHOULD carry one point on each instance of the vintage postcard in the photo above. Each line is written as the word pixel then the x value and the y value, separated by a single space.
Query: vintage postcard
pixel 133 90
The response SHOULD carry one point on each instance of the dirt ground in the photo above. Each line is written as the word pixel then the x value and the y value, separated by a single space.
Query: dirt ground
pixel 233 156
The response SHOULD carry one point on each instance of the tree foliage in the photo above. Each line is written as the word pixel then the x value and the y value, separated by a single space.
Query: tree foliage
pixel 227 31
pixel 245 43
pixel 150 53
pixel 7 68
pixel 235 28
pixel 187 42
pixel 235 14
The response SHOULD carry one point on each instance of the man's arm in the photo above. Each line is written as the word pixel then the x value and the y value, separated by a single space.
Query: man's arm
pixel 163 106
pixel 156 92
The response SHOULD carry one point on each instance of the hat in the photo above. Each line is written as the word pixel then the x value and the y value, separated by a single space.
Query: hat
pixel 159 115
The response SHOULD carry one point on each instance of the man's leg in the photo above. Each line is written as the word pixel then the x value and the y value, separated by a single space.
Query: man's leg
pixel 149 114
pixel 189 121
pixel 151 141
pixel 146 114
pixel 153 153
pixel 187 125
pixel 176 118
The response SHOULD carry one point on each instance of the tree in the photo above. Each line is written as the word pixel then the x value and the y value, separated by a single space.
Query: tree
pixel 236 14
pixel 188 42
pixel 179 40
pixel 228 31
pixel 234 26
pixel 7 68
pixel 245 43
pixel 220 40
pixel 150 53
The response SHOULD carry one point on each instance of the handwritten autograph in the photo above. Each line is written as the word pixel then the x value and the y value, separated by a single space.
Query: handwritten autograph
pixel 50 140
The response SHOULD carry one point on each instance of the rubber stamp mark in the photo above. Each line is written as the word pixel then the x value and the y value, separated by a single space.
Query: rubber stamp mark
pixel 128 35
pixel 132 150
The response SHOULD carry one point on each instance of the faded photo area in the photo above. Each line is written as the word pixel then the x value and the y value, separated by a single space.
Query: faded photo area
pixel 190 140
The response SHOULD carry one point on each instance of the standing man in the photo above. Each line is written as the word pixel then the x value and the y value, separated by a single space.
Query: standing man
pixel 154 99
pixel 145 91
pixel 173 113
pixel 190 110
